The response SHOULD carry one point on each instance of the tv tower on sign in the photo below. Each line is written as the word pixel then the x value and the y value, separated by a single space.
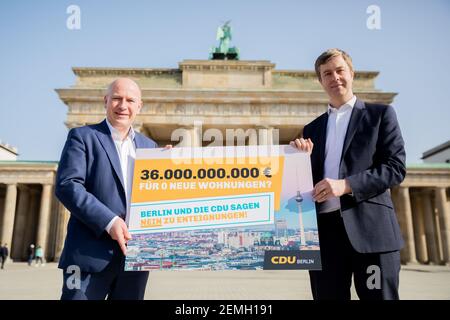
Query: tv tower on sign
pixel 301 228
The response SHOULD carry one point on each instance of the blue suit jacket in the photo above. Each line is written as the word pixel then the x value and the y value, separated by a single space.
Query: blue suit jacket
pixel 89 184
pixel 373 160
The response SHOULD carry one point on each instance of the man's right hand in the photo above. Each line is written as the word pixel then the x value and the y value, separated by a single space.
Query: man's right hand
pixel 119 232
pixel 303 145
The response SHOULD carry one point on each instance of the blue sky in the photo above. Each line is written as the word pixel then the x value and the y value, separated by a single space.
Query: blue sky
pixel 37 52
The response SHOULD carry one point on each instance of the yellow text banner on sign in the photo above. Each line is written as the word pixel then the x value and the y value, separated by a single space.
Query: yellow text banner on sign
pixel 175 192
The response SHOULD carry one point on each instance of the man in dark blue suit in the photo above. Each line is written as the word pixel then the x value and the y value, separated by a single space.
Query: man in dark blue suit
pixel 358 155
pixel 94 183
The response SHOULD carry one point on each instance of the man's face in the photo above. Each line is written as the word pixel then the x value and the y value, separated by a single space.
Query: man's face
pixel 337 79
pixel 123 103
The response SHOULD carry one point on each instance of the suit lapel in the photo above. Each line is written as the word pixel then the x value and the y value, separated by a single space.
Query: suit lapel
pixel 322 135
pixel 355 118
pixel 138 141
pixel 104 136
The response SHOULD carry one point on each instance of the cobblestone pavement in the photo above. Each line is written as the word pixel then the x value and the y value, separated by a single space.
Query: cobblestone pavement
pixel 19 281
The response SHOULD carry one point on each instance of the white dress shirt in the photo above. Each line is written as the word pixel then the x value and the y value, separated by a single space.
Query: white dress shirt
pixel 338 119
pixel 126 150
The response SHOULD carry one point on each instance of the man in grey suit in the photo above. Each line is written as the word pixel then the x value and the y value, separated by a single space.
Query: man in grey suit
pixel 358 156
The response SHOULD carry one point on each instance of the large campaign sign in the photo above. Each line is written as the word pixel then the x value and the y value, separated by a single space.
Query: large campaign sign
pixel 222 208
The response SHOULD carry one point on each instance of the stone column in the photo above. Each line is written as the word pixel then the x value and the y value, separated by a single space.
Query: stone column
pixel 437 227
pixel 20 223
pixel 8 214
pixel 2 205
pixel 63 219
pixel 44 217
pixel 190 136
pixel 430 233
pixel 406 213
pixel 252 134
pixel 265 135
pixel 267 77
pixel 30 228
pixel 196 135
pixel 395 195
pixel 419 228
pixel 444 215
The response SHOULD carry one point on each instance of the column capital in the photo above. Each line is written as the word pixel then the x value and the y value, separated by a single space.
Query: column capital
pixel 71 124
pixel 186 126
pixel 9 212
pixel 264 126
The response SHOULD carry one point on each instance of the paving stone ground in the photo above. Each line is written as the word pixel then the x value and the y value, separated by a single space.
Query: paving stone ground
pixel 19 281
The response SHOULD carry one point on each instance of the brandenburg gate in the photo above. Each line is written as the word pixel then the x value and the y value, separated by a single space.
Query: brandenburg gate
pixel 210 96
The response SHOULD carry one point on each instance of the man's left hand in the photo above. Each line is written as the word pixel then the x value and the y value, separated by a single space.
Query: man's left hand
pixel 329 188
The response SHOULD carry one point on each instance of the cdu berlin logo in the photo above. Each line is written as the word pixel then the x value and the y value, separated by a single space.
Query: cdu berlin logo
pixel 292 259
